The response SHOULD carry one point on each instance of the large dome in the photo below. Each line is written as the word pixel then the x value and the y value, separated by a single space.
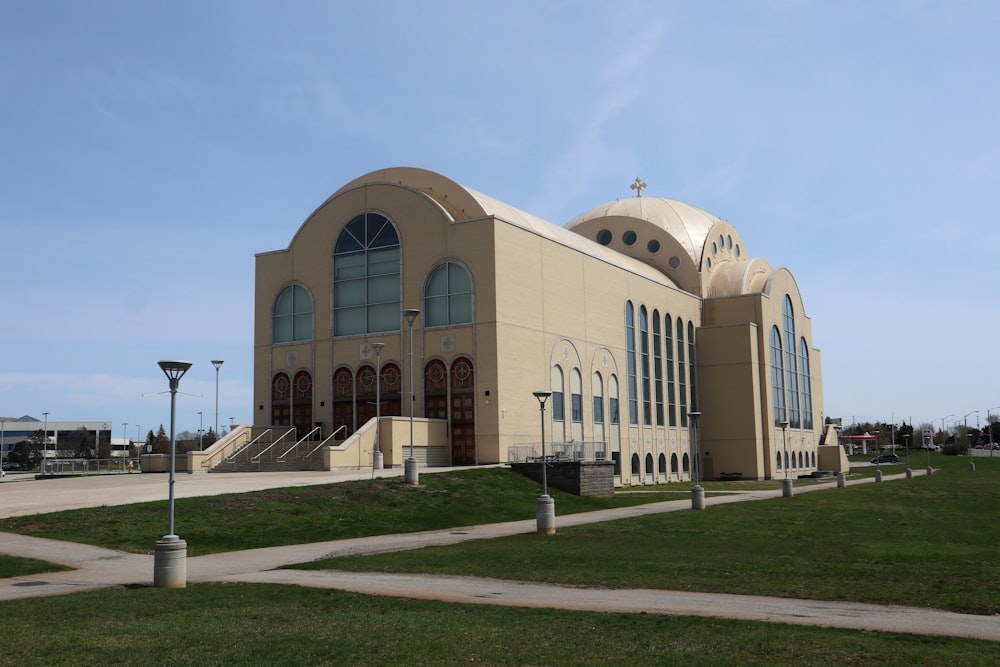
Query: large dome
pixel 689 225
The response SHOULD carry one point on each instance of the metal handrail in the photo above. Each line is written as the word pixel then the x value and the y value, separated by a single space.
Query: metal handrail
pixel 343 427
pixel 236 452
pixel 221 453
pixel 559 451
pixel 256 458
pixel 281 457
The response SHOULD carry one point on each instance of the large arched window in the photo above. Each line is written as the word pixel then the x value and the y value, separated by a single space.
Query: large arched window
pixel 791 373
pixel 366 277
pixel 448 296
pixel 805 384
pixel 292 315
pixel 777 377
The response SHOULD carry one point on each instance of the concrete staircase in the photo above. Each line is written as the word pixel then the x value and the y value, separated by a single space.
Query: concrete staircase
pixel 264 457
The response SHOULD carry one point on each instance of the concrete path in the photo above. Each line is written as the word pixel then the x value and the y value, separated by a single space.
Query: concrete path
pixel 96 568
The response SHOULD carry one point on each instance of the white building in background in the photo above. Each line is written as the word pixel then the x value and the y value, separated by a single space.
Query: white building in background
pixel 59 434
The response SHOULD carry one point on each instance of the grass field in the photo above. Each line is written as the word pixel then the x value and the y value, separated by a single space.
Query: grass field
pixel 928 541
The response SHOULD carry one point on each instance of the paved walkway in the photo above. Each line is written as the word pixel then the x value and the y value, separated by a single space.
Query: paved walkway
pixel 96 568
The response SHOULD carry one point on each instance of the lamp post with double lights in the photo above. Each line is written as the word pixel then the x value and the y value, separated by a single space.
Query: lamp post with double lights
pixel 170 555
pixel 787 485
pixel 218 364
pixel 126 443
pixel 697 491
pixel 410 475
pixel 545 506
pixel 377 458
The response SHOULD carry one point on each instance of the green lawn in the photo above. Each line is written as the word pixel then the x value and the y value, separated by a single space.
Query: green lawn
pixel 286 625
pixel 928 541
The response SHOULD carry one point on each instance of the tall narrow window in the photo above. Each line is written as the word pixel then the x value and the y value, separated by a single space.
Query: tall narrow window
pixel 805 385
pixel 633 385
pixel 777 377
pixel 647 409
pixel 448 296
pixel 692 367
pixel 613 415
pixel 681 373
pixel 366 283
pixel 558 405
pixel 658 368
pixel 292 315
pixel 576 403
pixel 792 381
pixel 668 324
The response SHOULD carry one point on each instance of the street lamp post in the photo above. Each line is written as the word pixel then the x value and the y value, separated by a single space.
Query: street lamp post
pixel 126 443
pixel 545 506
pixel 377 459
pixel 170 555
pixel 906 440
pixel 201 431
pixel 878 458
pixel 45 439
pixel 968 440
pixel 697 491
pixel 787 485
pixel 218 364
pixel 410 475
pixel 3 435
pixel 930 470
pixel 989 429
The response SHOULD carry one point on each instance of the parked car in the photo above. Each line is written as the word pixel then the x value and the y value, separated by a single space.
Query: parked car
pixel 886 458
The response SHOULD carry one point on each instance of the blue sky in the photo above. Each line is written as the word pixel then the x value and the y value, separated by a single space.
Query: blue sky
pixel 149 149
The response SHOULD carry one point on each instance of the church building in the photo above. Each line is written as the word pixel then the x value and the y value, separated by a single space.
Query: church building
pixel 663 343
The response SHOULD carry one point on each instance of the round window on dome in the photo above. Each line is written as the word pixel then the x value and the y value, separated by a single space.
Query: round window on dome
pixel 729 242
pixel 674 262
pixel 653 247
pixel 737 249
pixel 604 236
pixel 709 263
pixel 629 237
pixel 715 248
pixel 722 241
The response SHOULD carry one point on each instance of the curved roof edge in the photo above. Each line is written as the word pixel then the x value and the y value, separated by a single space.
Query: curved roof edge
pixel 463 203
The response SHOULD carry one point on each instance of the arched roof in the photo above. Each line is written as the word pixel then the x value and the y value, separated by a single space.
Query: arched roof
pixel 462 203
pixel 689 225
